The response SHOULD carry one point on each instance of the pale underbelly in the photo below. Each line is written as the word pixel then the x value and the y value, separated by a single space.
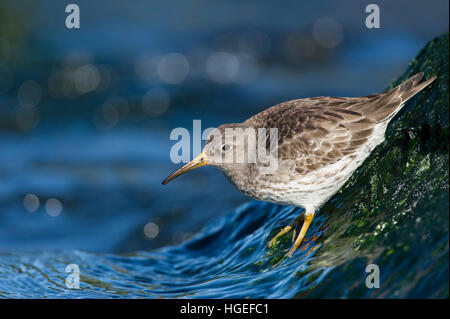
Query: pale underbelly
pixel 312 190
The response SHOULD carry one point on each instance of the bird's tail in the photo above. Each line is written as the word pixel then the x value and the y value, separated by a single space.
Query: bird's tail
pixel 411 87
pixel 384 107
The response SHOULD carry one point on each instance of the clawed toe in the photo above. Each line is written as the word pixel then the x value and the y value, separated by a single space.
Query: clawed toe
pixel 295 224
pixel 285 230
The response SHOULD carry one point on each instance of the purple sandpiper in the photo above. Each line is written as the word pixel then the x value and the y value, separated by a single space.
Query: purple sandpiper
pixel 321 142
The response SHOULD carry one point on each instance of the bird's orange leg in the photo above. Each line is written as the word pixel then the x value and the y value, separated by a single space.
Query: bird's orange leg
pixel 308 219
pixel 295 224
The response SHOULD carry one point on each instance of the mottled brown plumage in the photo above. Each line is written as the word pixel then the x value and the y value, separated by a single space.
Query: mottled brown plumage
pixel 340 125
pixel 321 142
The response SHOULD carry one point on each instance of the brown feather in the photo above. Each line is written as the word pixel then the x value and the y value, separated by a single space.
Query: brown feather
pixel 316 132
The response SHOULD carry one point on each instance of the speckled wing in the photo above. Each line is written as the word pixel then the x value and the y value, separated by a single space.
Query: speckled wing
pixel 316 132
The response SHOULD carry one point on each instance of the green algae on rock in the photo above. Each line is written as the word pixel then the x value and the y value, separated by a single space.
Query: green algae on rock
pixel 393 213
pixel 395 207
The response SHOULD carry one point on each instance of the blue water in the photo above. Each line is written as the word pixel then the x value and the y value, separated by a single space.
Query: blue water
pixel 228 258
pixel 224 261
pixel 210 240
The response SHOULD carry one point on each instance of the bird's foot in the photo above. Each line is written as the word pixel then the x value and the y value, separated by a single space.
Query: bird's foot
pixel 294 224
pixel 308 219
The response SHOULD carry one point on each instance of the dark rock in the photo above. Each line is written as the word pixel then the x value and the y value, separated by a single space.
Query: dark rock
pixel 394 211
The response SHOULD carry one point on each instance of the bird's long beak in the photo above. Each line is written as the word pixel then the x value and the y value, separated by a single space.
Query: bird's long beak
pixel 196 162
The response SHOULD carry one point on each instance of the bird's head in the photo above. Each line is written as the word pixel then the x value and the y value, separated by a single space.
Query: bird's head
pixel 224 149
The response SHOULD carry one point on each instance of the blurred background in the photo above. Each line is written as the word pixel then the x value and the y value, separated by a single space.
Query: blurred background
pixel 85 114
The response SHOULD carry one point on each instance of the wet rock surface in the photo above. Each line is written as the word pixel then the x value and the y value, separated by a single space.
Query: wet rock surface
pixel 393 213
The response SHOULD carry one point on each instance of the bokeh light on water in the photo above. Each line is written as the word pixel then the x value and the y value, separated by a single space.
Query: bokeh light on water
pixel 29 94
pixel 31 202
pixel 156 101
pixel 328 32
pixel 151 230
pixel 85 119
pixel 173 68
pixel 53 207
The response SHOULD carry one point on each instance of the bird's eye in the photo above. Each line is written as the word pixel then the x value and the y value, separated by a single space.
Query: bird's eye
pixel 226 147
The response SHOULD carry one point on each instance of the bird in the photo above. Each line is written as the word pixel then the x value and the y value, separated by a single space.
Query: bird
pixel 320 142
